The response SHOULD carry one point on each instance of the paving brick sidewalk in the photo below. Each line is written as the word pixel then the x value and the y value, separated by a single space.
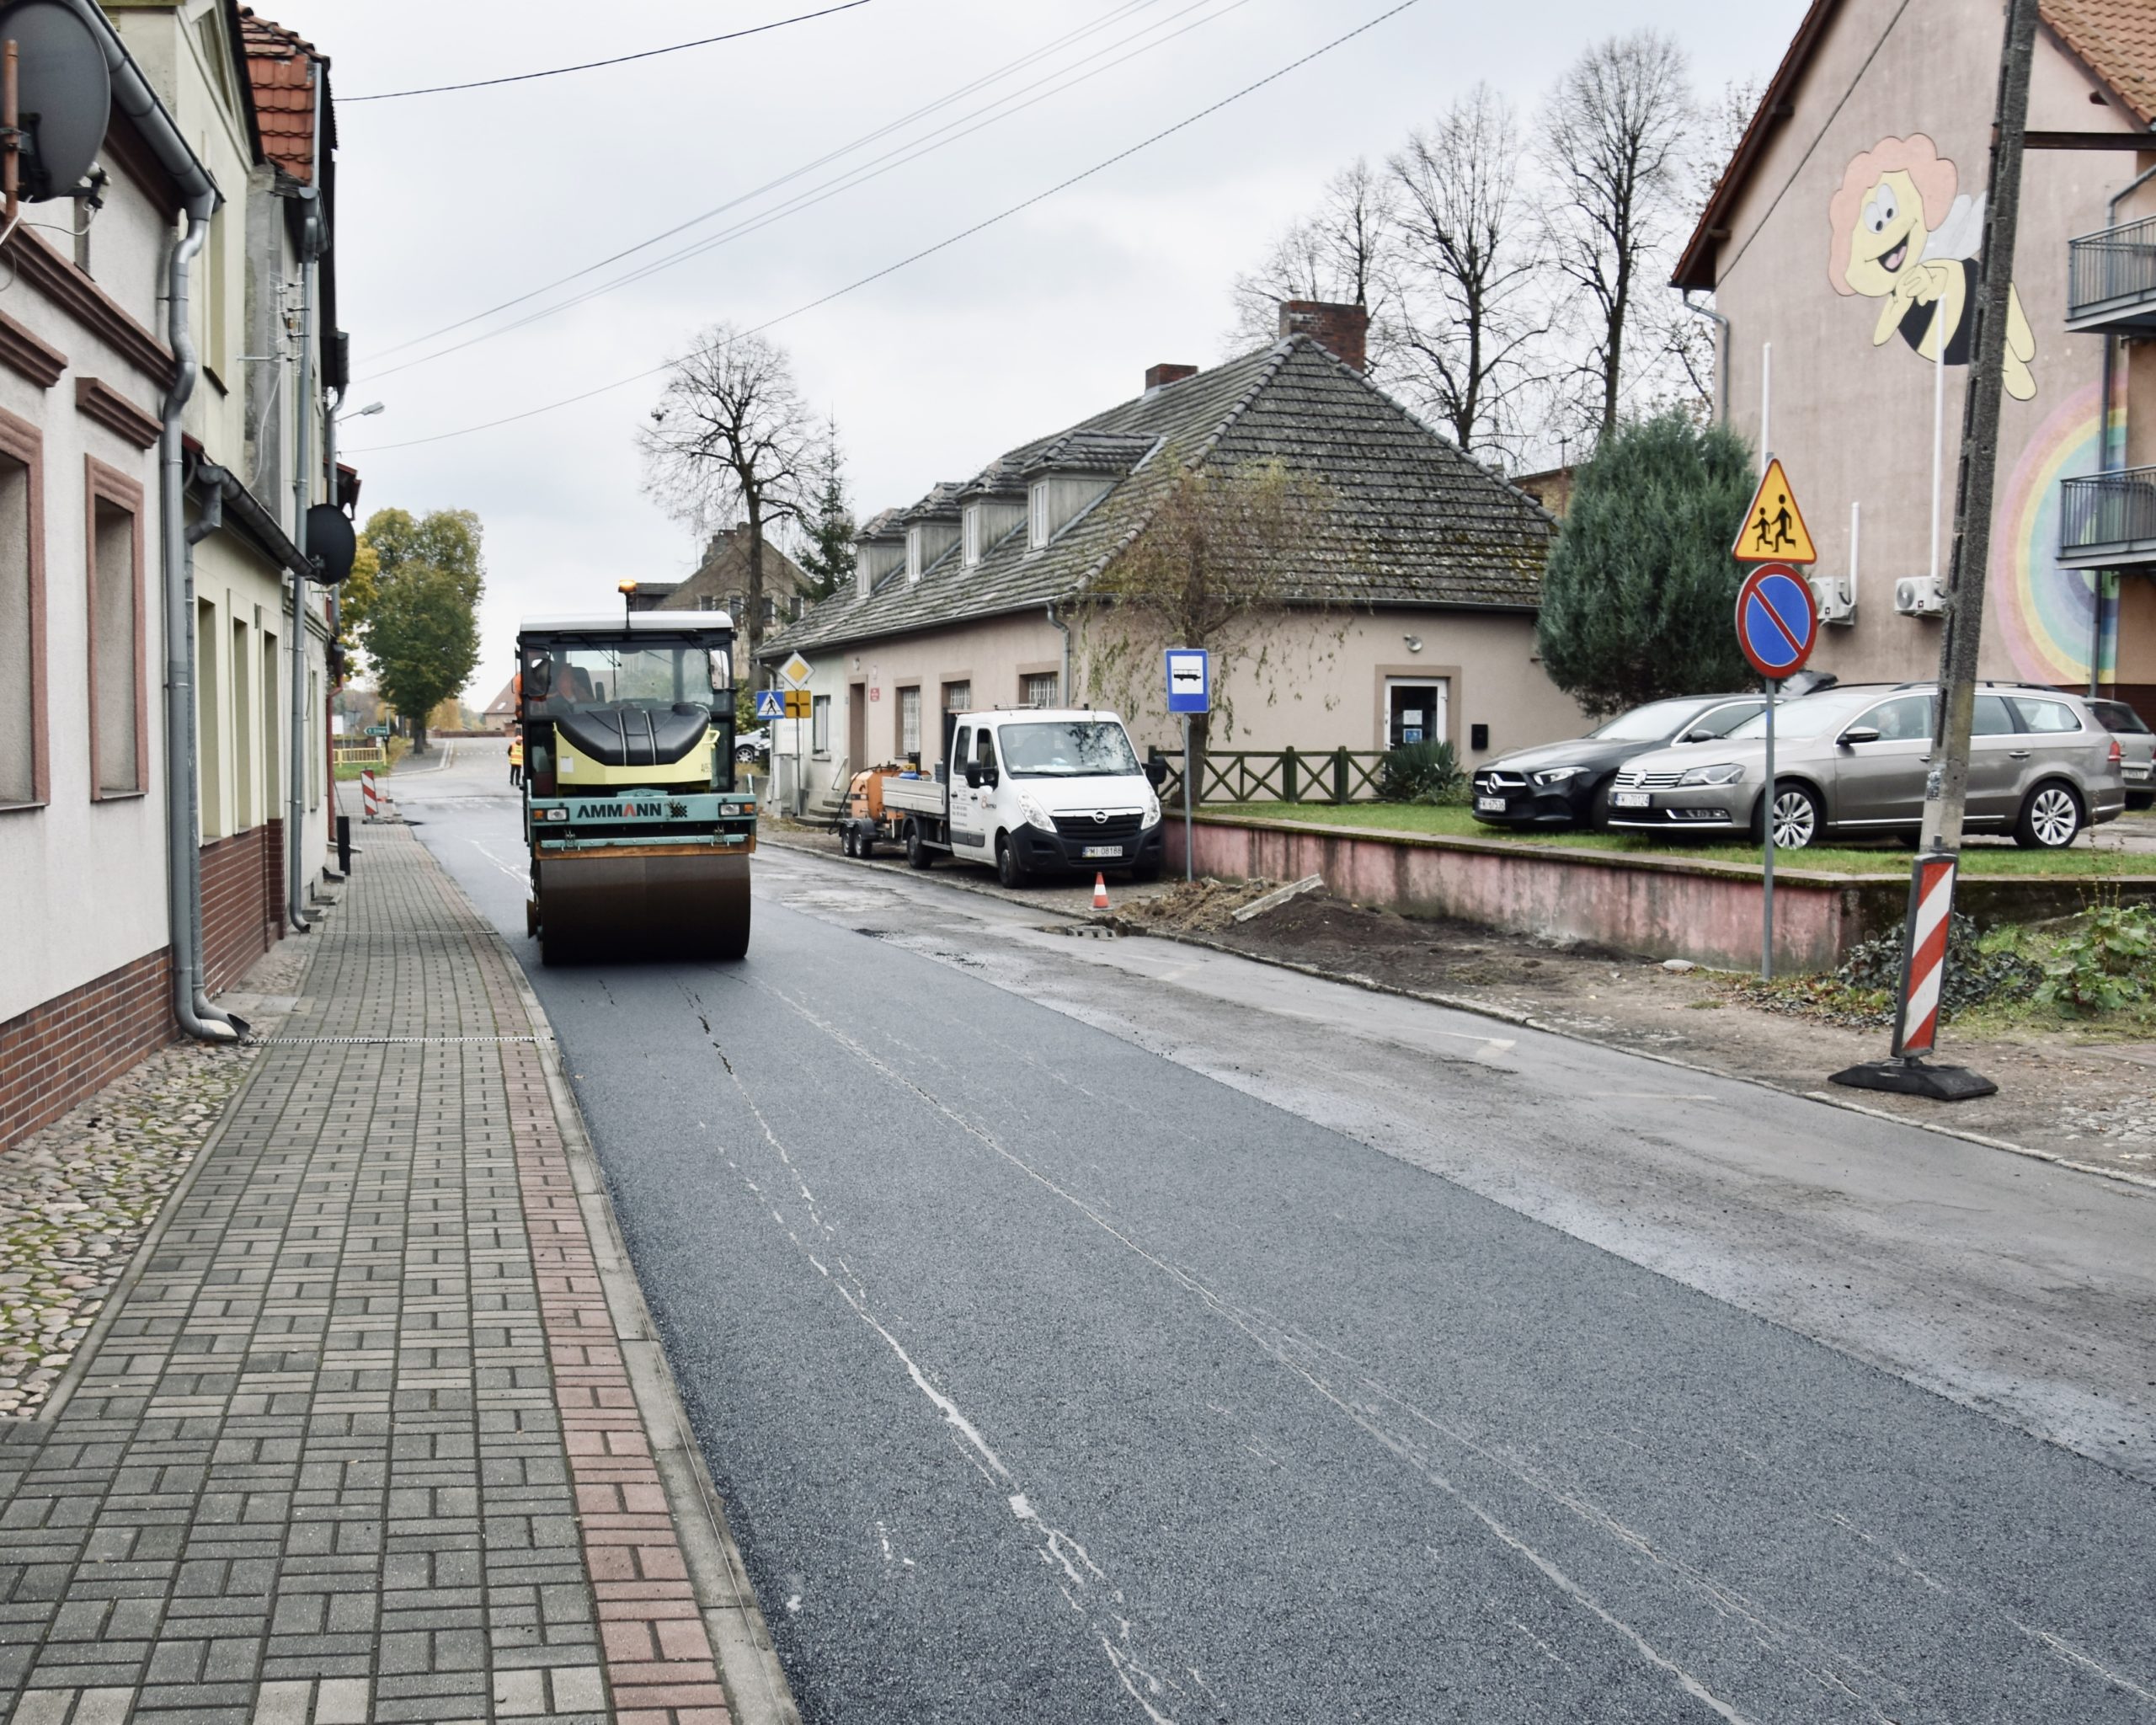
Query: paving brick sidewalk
pixel 362 1443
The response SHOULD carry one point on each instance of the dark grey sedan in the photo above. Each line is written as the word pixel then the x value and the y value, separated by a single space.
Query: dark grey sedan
pixel 1564 784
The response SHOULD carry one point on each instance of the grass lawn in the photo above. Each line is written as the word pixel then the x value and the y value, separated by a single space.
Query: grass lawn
pixel 1982 857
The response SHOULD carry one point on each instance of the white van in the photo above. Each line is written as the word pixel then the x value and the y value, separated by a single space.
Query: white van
pixel 1035 791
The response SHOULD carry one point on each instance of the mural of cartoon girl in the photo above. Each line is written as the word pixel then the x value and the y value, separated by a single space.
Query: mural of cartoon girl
pixel 1902 235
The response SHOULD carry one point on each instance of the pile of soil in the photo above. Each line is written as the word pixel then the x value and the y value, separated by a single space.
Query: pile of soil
pixel 1192 907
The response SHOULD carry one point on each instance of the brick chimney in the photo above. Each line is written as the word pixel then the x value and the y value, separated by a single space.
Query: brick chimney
pixel 1340 330
pixel 1158 376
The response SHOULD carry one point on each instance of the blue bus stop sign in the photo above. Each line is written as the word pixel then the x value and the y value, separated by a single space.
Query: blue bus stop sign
pixel 1777 622
pixel 1190 679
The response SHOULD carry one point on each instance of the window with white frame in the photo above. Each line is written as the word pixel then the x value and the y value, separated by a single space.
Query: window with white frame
pixel 22 629
pixel 117 728
pixel 973 534
pixel 913 557
pixel 958 697
pixel 1039 689
pixel 908 721
pixel 1037 536
pixel 819 724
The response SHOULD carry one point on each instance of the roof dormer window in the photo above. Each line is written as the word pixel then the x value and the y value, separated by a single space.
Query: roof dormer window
pixel 1038 533
pixel 972 519
pixel 913 553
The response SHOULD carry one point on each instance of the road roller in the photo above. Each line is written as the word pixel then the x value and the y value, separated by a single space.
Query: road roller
pixel 639 842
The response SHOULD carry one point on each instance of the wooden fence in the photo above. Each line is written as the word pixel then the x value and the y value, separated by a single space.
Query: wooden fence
pixel 1278 775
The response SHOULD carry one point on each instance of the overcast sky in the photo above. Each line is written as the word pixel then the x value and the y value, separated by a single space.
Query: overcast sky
pixel 449 204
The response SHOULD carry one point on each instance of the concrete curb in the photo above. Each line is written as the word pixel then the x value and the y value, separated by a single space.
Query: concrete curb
pixel 748 1666
pixel 1507 1015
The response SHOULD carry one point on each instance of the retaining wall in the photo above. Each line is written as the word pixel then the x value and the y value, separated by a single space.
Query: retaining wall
pixel 1661 907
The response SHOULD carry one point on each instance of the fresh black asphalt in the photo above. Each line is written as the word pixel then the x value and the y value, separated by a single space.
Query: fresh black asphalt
pixel 1046 1379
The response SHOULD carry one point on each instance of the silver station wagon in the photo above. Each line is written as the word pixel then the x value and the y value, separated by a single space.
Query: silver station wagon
pixel 1852 762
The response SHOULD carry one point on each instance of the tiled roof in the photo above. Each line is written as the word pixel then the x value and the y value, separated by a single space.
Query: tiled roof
pixel 1412 521
pixel 280 64
pixel 2117 39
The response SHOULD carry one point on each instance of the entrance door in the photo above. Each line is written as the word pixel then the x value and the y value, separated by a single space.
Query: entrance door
pixel 1414 713
pixel 856 726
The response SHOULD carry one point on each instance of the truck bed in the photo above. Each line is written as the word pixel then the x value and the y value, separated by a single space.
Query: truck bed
pixel 917 796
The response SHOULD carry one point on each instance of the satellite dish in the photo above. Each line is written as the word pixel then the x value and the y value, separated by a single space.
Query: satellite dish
pixel 331 543
pixel 64 96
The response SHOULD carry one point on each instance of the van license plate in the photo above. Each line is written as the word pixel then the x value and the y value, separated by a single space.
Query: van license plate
pixel 1489 805
pixel 1630 799
pixel 1091 851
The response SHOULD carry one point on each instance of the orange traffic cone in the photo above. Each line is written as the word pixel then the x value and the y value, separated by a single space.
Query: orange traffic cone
pixel 1100 892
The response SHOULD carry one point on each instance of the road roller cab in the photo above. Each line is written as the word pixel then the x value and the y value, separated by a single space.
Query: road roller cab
pixel 638 840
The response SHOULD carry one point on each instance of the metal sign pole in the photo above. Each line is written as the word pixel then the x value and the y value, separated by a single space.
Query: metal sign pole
pixel 1767 860
pixel 1189 796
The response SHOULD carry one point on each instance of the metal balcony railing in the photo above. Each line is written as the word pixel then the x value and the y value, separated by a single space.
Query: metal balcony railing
pixel 2111 278
pixel 2108 516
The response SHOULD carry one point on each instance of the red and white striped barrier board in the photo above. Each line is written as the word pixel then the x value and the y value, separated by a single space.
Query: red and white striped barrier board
pixel 1931 902
pixel 370 798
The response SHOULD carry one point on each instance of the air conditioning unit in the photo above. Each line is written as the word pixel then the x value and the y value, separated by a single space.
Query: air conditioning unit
pixel 1920 595
pixel 1835 597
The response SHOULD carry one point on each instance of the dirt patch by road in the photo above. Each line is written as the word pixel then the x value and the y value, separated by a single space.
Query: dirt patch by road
pixel 2075 1096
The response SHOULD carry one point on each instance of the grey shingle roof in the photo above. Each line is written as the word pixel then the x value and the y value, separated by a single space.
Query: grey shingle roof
pixel 1412 521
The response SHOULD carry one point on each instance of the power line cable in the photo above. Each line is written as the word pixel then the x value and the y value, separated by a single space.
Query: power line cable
pixel 911 259
pixel 520 78
pixel 1024 60
pixel 874 169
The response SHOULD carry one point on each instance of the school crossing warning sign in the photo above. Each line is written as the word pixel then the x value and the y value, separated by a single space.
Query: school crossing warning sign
pixel 1773 530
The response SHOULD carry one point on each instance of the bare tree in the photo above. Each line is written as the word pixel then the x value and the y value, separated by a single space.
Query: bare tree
pixel 1612 143
pixel 1682 341
pixel 1466 259
pixel 1222 554
pixel 732 440
pixel 1338 252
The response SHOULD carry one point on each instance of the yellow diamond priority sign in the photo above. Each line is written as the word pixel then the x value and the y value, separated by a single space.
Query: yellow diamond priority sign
pixel 1773 530
pixel 795 671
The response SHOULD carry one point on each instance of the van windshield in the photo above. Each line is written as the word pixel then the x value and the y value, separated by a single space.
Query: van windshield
pixel 1066 748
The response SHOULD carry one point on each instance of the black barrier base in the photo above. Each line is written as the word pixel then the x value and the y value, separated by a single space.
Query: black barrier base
pixel 1914 1078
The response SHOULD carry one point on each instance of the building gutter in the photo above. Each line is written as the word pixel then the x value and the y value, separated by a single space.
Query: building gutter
pixel 1722 353
pixel 312 242
pixel 1062 629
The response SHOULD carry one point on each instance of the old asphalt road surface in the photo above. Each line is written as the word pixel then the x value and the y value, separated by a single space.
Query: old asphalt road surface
pixel 1104 1330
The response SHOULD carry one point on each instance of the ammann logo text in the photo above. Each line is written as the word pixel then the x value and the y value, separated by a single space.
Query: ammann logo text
pixel 631 811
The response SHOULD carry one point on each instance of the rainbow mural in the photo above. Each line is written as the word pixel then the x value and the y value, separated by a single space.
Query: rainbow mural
pixel 2043 612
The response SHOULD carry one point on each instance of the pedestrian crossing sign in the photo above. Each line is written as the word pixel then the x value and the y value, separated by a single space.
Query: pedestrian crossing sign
pixel 771 704
pixel 1773 530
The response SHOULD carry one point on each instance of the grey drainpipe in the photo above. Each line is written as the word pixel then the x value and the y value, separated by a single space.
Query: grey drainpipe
pixel 311 248
pixel 1062 629
pixel 182 857
pixel 2105 463
pixel 1722 354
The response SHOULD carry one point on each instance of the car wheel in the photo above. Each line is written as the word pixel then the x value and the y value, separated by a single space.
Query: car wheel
pixel 1009 870
pixel 1796 817
pixel 2050 818
pixel 917 854
pixel 848 843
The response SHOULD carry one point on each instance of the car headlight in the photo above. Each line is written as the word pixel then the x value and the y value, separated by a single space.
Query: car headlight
pixel 1033 814
pixel 1558 775
pixel 1152 809
pixel 1723 773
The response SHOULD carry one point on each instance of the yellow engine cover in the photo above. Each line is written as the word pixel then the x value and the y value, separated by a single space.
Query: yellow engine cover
pixel 579 772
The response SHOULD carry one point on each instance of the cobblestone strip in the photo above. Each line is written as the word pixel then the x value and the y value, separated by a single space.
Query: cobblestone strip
pixel 658 1658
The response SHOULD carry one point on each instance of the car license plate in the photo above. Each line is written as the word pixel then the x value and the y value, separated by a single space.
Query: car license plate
pixel 1630 799
pixel 1091 851
pixel 1489 805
